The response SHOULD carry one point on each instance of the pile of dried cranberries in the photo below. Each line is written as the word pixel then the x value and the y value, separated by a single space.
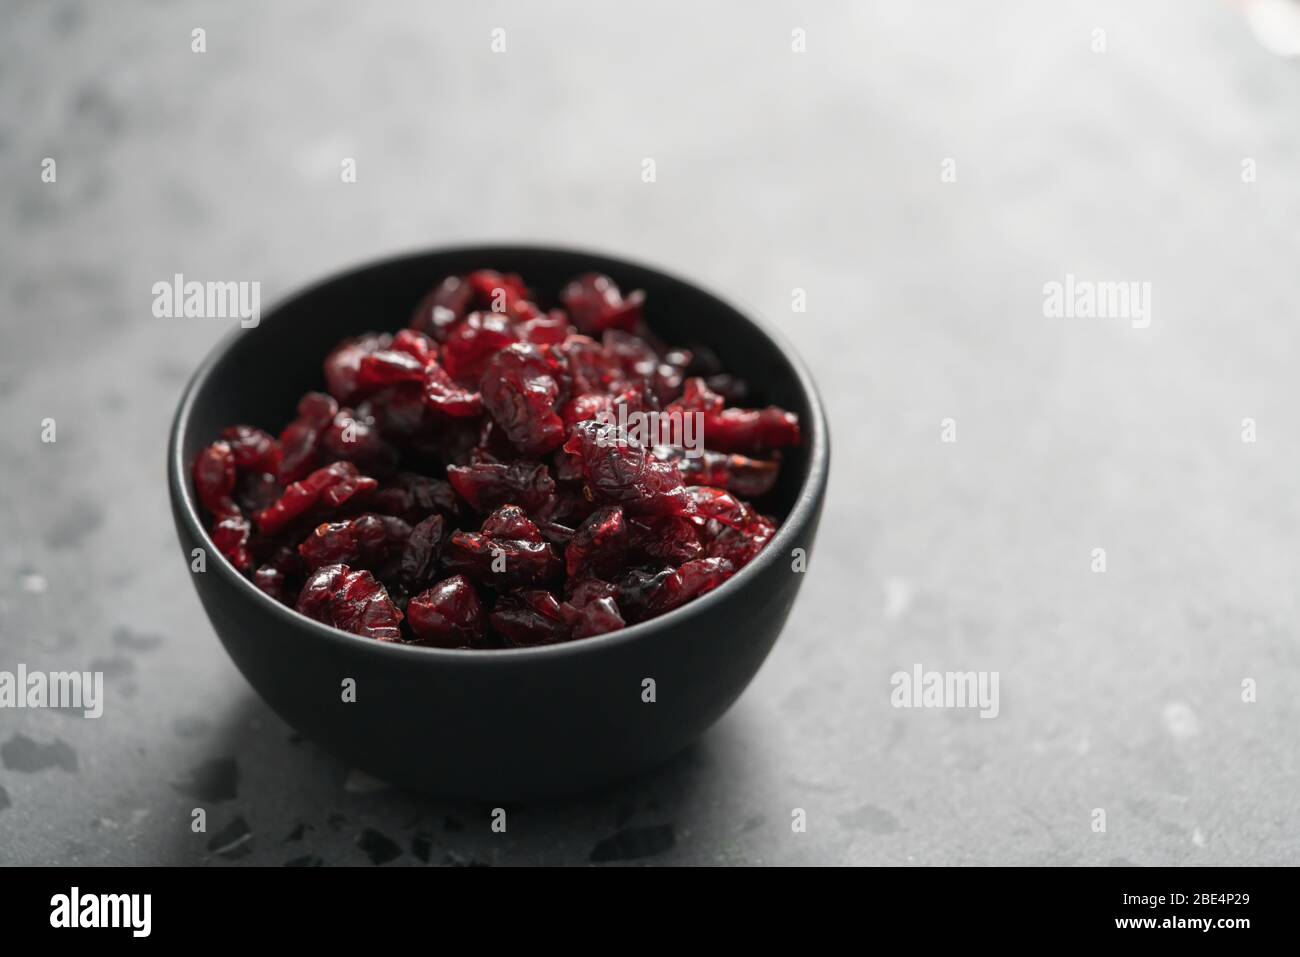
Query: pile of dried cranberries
pixel 472 481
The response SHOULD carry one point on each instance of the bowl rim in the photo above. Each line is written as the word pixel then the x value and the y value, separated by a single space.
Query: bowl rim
pixel 806 502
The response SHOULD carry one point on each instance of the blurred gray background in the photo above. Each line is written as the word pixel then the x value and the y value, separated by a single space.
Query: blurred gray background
pixel 776 170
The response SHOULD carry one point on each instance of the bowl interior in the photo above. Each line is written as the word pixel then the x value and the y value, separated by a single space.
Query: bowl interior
pixel 259 374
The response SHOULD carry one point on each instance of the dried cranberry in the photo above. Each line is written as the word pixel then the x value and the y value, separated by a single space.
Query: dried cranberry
pixel 445 396
pixel 214 479
pixel 421 551
pixel 230 535
pixel 548 330
pixel 354 436
pixel 599 545
pixel 738 430
pixel 400 411
pixel 448 615
pixel 387 367
pixel 531 617
pixel 412 496
pixel 280 575
pixel 595 303
pixel 634 355
pixel 254 450
pixel 508 552
pixel 352 601
pixel 730 528
pixel 566 507
pixel 739 474
pixel 583 591
pixel 416 344
pixel 737 546
pixel 597 617
pixel 298 442
pixel 723 506
pixel 664 538
pixel 619 471
pixel 489 485
pixel 649 594
pixel 442 308
pixel 367 541
pixel 255 491
pixel 343 365
pixel 520 392
pixel 497 292
pixel 322 491
pixel 473 343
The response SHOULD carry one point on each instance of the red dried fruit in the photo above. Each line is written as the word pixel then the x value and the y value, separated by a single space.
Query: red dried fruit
pixel 602 407
pixel 254 450
pixel 738 430
pixel 619 471
pixel 280 575
pixel 367 541
pixel 443 395
pixel 749 478
pixel 352 601
pixel 647 594
pixel 599 545
pixel 717 504
pixel 531 617
pixel 448 615
pixel 737 546
pixel 489 485
pixel 230 535
pixel 583 591
pixel 400 412
pixel 751 430
pixel 413 497
pixel 387 367
pixel 636 357
pixel 354 436
pixel 255 491
pixel 729 528
pixel 497 292
pixel 442 308
pixel 509 552
pixel 344 363
pixel 214 479
pixel 595 304
pixel 490 412
pixel 520 392
pixel 664 538
pixel 598 617
pixel 322 491
pixel 472 343
pixel 416 344
pixel 421 552
pixel 547 330
pixel 298 442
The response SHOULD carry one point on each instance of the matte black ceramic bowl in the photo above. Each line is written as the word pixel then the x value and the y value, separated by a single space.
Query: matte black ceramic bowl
pixel 513 724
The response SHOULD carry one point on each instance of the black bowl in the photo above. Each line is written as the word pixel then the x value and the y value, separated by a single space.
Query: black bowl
pixel 496 725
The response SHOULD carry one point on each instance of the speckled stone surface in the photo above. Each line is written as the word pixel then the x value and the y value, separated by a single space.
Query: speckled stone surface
pixel 775 170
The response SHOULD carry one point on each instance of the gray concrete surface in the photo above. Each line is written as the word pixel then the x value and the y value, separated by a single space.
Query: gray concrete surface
pixel 776 170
